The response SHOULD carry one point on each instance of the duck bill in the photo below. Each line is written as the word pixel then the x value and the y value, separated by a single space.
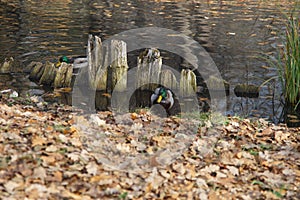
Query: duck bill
pixel 58 64
pixel 159 99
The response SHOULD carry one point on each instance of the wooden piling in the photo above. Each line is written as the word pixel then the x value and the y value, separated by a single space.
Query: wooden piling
pixel 119 66
pixel 148 69
pixel 7 65
pixel 97 66
pixel 48 75
pixel 63 76
pixel 188 84
pixel 168 79
pixel 37 70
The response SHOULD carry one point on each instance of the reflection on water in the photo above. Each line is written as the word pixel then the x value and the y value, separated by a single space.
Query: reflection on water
pixel 233 32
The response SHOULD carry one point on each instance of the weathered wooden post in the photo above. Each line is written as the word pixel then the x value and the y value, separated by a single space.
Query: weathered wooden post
pixel 97 66
pixel 148 69
pixel 6 67
pixel 168 79
pixel 187 90
pixel 118 75
pixel 188 83
pixel 63 76
pixel 36 71
pixel 119 65
pixel 48 75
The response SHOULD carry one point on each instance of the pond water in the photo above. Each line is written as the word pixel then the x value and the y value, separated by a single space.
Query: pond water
pixel 234 33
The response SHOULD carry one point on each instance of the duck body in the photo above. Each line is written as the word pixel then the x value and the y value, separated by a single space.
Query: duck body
pixel 164 97
pixel 78 62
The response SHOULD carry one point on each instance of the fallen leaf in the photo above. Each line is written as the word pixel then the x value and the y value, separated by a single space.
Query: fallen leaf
pixel 10 186
pixel 233 170
pixel 40 173
pixel 92 168
pixel 37 140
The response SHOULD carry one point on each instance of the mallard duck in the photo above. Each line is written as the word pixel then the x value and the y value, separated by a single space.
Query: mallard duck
pixel 78 62
pixel 164 97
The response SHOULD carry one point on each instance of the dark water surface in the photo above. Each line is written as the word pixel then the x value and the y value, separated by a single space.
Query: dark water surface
pixel 233 32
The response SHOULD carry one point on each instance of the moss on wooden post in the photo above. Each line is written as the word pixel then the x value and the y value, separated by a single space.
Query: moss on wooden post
pixel 188 83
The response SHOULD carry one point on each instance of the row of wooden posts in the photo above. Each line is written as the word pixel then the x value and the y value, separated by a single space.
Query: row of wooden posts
pixel 107 67
pixel 107 70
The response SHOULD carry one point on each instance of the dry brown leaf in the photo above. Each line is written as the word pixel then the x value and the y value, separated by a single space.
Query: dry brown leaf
pixel 68 194
pixel 233 170
pixel 10 186
pixel 52 148
pixel 31 129
pixel 48 160
pixel 76 142
pixel 37 140
pixel 92 168
pixel 40 173
pixel 133 116
pixel 70 130
pixel 58 176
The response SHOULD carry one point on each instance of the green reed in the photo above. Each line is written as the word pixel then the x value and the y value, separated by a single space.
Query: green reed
pixel 289 61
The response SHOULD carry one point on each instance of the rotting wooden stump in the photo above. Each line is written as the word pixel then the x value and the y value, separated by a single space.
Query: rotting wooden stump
pixel 246 90
pixel 148 69
pixel 7 65
pixel 63 77
pixel 97 56
pixel 188 84
pixel 119 66
pixel 36 71
pixel 168 79
pixel 48 75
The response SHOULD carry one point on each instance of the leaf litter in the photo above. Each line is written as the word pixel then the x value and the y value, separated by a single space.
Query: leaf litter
pixel 52 151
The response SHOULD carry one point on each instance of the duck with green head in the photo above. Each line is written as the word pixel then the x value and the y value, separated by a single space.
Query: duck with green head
pixel 164 97
pixel 78 62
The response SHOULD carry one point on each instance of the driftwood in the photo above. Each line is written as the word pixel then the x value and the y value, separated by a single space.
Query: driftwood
pixel 97 56
pixel 188 84
pixel 148 69
pixel 7 65
pixel 119 66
